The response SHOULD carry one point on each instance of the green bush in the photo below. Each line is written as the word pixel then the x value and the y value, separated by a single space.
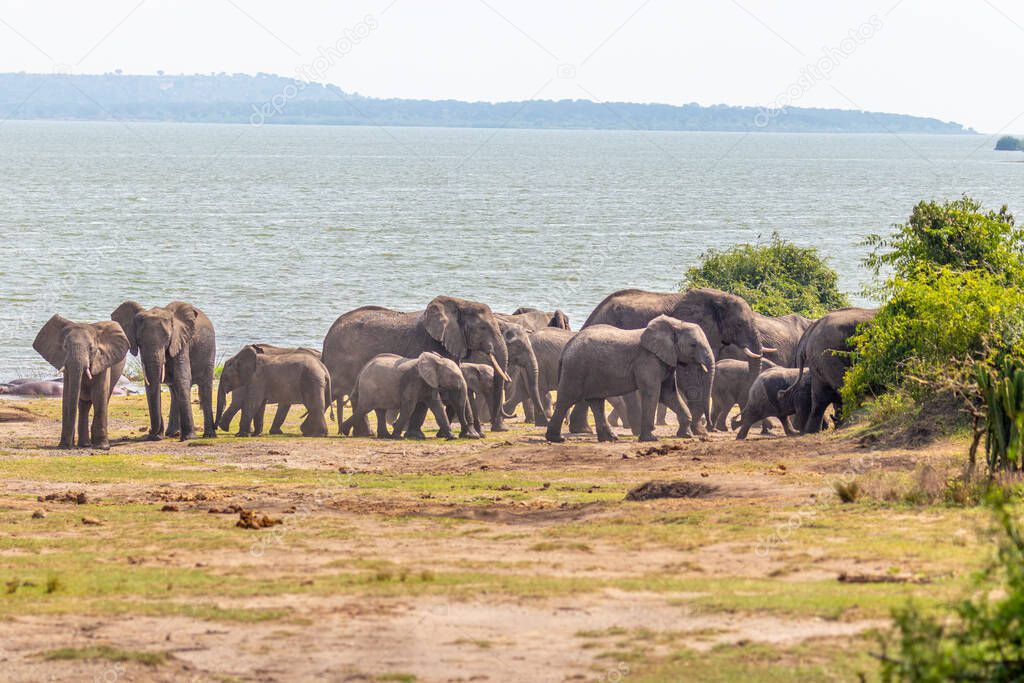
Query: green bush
pixel 959 235
pixel 776 279
pixel 954 296
pixel 933 323
pixel 980 638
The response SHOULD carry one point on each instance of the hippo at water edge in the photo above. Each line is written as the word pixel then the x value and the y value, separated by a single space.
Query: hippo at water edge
pixel 44 387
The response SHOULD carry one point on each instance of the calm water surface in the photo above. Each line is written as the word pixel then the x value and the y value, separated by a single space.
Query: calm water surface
pixel 274 231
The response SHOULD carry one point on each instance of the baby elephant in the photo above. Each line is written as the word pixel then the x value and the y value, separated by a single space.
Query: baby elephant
pixel 480 382
pixel 411 385
pixel 731 387
pixel 764 400
pixel 603 361
pixel 239 392
pixel 274 377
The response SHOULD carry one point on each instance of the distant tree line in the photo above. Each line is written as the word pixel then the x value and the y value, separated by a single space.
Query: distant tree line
pixel 266 98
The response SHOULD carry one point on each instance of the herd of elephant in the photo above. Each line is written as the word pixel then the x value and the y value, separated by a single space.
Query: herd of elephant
pixel 696 353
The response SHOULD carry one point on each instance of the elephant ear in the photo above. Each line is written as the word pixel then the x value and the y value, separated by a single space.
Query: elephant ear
pixel 50 341
pixel 441 319
pixel 111 346
pixel 559 320
pixel 427 365
pixel 246 361
pixel 182 329
pixel 124 316
pixel 660 339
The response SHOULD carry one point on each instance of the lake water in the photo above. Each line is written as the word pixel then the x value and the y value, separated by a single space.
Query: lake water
pixel 274 231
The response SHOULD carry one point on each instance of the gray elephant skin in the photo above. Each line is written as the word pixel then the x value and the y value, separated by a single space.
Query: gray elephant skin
pixel 524 369
pixel 731 387
pixel 547 343
pixel 725 319
pixel 281 376
pixel 779 337
pixel 177 346
pixel 603 361
pixel 411 385
pixel 454 328
pixel 480 383
pixel 823 352
pixel 534 319
pixel 225 415
pixel 91 357
pixel 768 398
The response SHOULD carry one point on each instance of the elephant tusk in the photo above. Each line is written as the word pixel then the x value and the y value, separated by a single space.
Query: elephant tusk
pixel 751 354
pixel 145 377
pixel 704 368
pixel 88 373
pixel 162 374
pixel 62 369
pixel 768 349
pixel 497 368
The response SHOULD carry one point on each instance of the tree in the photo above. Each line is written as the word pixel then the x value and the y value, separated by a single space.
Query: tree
pixel 776 278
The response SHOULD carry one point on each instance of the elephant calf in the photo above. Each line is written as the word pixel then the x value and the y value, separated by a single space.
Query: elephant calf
pixel 769 397
pixel 274 377
pixel 411 385
pixel 603 361
pixel 731 387
pixel 239 391
pixel 479 382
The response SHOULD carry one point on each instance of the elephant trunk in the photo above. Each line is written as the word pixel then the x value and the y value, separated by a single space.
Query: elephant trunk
pixel 73 371
pixel 153 369
pixel 531 374
pixel 221 400
pixel 499 359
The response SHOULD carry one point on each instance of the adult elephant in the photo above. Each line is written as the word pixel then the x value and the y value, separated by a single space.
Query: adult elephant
pixel 523 367
pixel 823 351
pixel 547 344
pixel 91 358
pixel 454 328
pixel 726 319
pixel 781 334
pixel 177 346
pixel 534 319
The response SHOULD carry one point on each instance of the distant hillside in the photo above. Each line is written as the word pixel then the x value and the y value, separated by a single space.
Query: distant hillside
pixel 265 98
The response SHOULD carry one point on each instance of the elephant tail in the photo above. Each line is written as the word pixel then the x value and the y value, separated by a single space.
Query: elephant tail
pixel 329 397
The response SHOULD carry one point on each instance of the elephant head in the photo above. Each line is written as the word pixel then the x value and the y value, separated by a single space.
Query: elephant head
pixel 521 354
pixel 727 319
pixel 78 351
pixel 156 335
pixel 446 377
pixel 684 347
pixel 467 328
pixel 236 373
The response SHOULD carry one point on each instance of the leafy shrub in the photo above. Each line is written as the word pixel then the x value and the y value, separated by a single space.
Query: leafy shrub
pixel 984 638
pixel 1008 143
pixel 934 323
pixel 959 235
pixel 776 279
pixel 1002 390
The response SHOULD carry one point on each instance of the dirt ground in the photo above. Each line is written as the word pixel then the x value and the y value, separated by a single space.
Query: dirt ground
pixel 495 560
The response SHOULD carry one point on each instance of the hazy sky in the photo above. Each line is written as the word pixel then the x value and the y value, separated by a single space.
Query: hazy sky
pixel 952 59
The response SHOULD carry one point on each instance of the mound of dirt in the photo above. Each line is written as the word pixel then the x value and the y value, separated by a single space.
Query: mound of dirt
pixel 671 489
pixel 936 418
pixel 250 519
pixel 79 498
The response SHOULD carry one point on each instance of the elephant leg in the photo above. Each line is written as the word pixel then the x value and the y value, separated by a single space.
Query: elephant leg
pixel 414 430
pixel 837 411
pixel 83 425
pixel 382 424
pixel 618 411
pixel 182 386
pixel 648 409
pixel 353 420
pixel 821 397
pixel 614 419
pixel 578 419
pixel 744 429
pixel 766 428
pixel 660 420
pixel 670 397
pixel 604 430
pixel 101 411
pixel 554 430
pixel 444 425
pixel 279 417
pixel 787 426
pixel 634 415
pixel 206 404
pixel 174 418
